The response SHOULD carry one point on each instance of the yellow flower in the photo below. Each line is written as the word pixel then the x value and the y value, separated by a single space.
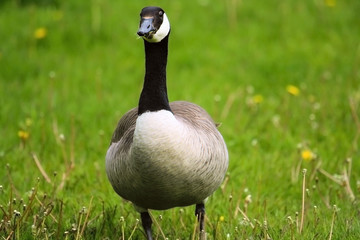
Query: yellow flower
pixel 330 3
pixel 221 218
pixel 40 33
pixel 293 90
pixel 258 99
pixel 23 135
pixel 307 155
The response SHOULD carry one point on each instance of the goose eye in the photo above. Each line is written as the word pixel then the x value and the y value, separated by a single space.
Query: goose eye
pixel 161 13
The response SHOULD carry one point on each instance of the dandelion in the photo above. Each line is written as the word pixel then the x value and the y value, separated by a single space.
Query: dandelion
pixel 307 155
pixel 23 135
pixel 330 3
pixel 248 199
pixel 257 99
pixel 17 213
pixel 293 90
pixel 221 218
pixel 40 33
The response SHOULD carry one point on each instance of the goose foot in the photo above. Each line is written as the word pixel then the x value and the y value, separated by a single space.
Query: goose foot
pixel 146 223
pixel 200 213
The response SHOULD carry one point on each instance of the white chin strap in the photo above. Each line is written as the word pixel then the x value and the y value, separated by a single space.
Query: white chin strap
pixel 162 32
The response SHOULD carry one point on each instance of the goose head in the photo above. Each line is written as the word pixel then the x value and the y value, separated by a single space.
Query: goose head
pixel 154 24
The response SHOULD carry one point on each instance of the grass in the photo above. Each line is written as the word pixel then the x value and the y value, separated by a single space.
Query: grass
pixel 282 78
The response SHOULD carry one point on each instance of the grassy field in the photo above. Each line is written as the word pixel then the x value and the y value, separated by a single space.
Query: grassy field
pixel 283 78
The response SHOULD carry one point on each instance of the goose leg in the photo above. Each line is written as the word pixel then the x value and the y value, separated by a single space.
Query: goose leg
pixel 146 223
pixel 200 213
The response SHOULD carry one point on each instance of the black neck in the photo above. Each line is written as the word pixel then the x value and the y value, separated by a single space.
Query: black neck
pixel 154 93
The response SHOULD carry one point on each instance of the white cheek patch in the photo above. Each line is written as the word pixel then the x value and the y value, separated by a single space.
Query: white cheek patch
pixel 162 32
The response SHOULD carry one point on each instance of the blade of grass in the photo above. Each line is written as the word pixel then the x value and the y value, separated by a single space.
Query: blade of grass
pixel 303 201
pixel 41 169
pixel 87 217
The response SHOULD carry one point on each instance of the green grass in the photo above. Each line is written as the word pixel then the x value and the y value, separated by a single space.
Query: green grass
pixel 234 58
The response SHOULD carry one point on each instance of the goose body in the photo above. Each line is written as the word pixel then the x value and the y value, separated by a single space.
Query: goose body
pixel 164 155
pixel 165 159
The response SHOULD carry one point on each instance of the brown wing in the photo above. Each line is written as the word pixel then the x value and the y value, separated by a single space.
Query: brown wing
pixel 126 126
pixel 193 114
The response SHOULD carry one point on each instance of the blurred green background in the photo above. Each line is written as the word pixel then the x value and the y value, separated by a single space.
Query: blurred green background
pixel 282 77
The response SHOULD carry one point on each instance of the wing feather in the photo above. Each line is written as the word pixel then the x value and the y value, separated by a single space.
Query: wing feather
pixel 191 113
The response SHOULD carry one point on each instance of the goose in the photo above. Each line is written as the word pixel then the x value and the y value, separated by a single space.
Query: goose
pixel 164 155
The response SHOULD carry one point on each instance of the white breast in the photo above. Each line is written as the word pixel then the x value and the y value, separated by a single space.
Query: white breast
pixel 154 128
pixel 170 164
pixel 158 136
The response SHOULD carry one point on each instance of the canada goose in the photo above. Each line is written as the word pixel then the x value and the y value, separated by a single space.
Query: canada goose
pixel 164 155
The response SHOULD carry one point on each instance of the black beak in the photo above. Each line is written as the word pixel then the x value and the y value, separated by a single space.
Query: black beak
pixel 146 27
